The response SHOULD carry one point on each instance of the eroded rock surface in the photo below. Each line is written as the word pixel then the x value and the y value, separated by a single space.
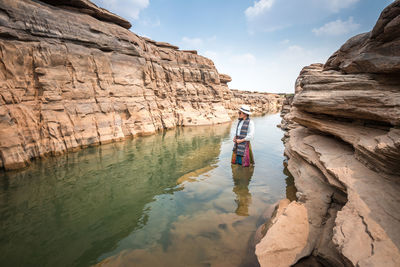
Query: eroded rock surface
pixel 343 149
pixel 72 75
pixel 273 250
pixel 85 6
pixel 260 102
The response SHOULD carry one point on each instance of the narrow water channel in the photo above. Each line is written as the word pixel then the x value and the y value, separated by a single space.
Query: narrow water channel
pixel 171 199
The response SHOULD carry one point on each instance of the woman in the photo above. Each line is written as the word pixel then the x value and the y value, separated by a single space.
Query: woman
pixel 242 153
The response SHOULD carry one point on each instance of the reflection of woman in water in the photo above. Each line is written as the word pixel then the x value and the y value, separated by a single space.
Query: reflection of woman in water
pixel 243 157
pixel 242 153
pixel 241 179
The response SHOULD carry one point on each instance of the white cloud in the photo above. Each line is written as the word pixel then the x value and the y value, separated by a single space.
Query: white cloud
pixel 337 27
pixel 295 49
pixel 212 38
pixel 150 22
pixel 244 59
pixel 268 72
pixel 231 59
pixel 336 5
pixel 196 42
pixel 258 8
pixel 285 42
pixel 211 55
pixel 192 42
pixel 273 16
pixel 124 8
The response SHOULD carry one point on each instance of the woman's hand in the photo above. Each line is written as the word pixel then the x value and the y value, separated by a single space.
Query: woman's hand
pixel 240 141
pixel 234 139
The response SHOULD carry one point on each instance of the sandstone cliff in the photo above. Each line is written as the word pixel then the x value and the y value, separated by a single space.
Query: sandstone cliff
pixel 72 75
pixel 344 153
pixel 261 103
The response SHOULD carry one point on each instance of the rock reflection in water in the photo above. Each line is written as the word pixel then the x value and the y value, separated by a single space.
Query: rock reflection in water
pixel 162 200
pixel 192 176
pixel 241 178
pixel 83 203
pixel 206 238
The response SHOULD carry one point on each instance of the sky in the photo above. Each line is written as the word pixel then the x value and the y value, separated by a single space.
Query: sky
pixel 262 44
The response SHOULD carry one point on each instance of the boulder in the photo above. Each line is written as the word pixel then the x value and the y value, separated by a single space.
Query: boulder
pixel 377 51
pixel 286 238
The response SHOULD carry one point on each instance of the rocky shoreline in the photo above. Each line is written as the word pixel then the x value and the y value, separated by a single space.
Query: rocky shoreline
pixel 73 75
pixel 343 149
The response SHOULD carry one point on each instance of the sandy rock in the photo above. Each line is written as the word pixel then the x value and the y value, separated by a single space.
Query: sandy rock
pixel 378 148
pixel 166 45
pixel 85 6
pixel 306 71
pixel 286 238
pixel 369 217
pixel 343 148
pixel 355 96
pixel 271 213
pixel 74 76
pixel 373 52
pixel 286 123
pixel 325 249
pixel 224 78
pixel 369 214
pixel 190 51
pixel 259 102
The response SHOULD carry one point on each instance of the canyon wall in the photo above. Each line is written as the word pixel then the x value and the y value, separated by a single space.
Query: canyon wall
pixel 261 103
pixel 343 149
pixel 72 75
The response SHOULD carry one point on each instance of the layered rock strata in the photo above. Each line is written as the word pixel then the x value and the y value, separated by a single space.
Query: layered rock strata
pixel 344 153
pixel 261 102
pixel 72 75
pixel 285 109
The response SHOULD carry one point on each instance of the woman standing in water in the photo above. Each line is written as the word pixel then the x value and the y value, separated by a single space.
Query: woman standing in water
pixel 242 153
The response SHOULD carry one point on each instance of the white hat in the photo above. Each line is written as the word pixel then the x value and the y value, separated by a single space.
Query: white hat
pixel 245 109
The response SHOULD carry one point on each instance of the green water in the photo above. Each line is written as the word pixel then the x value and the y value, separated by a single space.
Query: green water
pixel 170 199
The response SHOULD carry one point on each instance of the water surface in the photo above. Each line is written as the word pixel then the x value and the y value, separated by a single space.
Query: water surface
pixel 171 199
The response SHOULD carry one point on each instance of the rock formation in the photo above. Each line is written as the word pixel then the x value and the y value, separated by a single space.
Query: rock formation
pixel 86 202
pixel 285 109
pixel 344 153
pixel 72 75
pixel 260 102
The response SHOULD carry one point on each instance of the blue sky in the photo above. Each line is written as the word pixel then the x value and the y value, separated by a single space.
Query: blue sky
pixel 261 44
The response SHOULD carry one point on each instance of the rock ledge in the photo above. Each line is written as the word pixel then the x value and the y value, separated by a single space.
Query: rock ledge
pixel 343 149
